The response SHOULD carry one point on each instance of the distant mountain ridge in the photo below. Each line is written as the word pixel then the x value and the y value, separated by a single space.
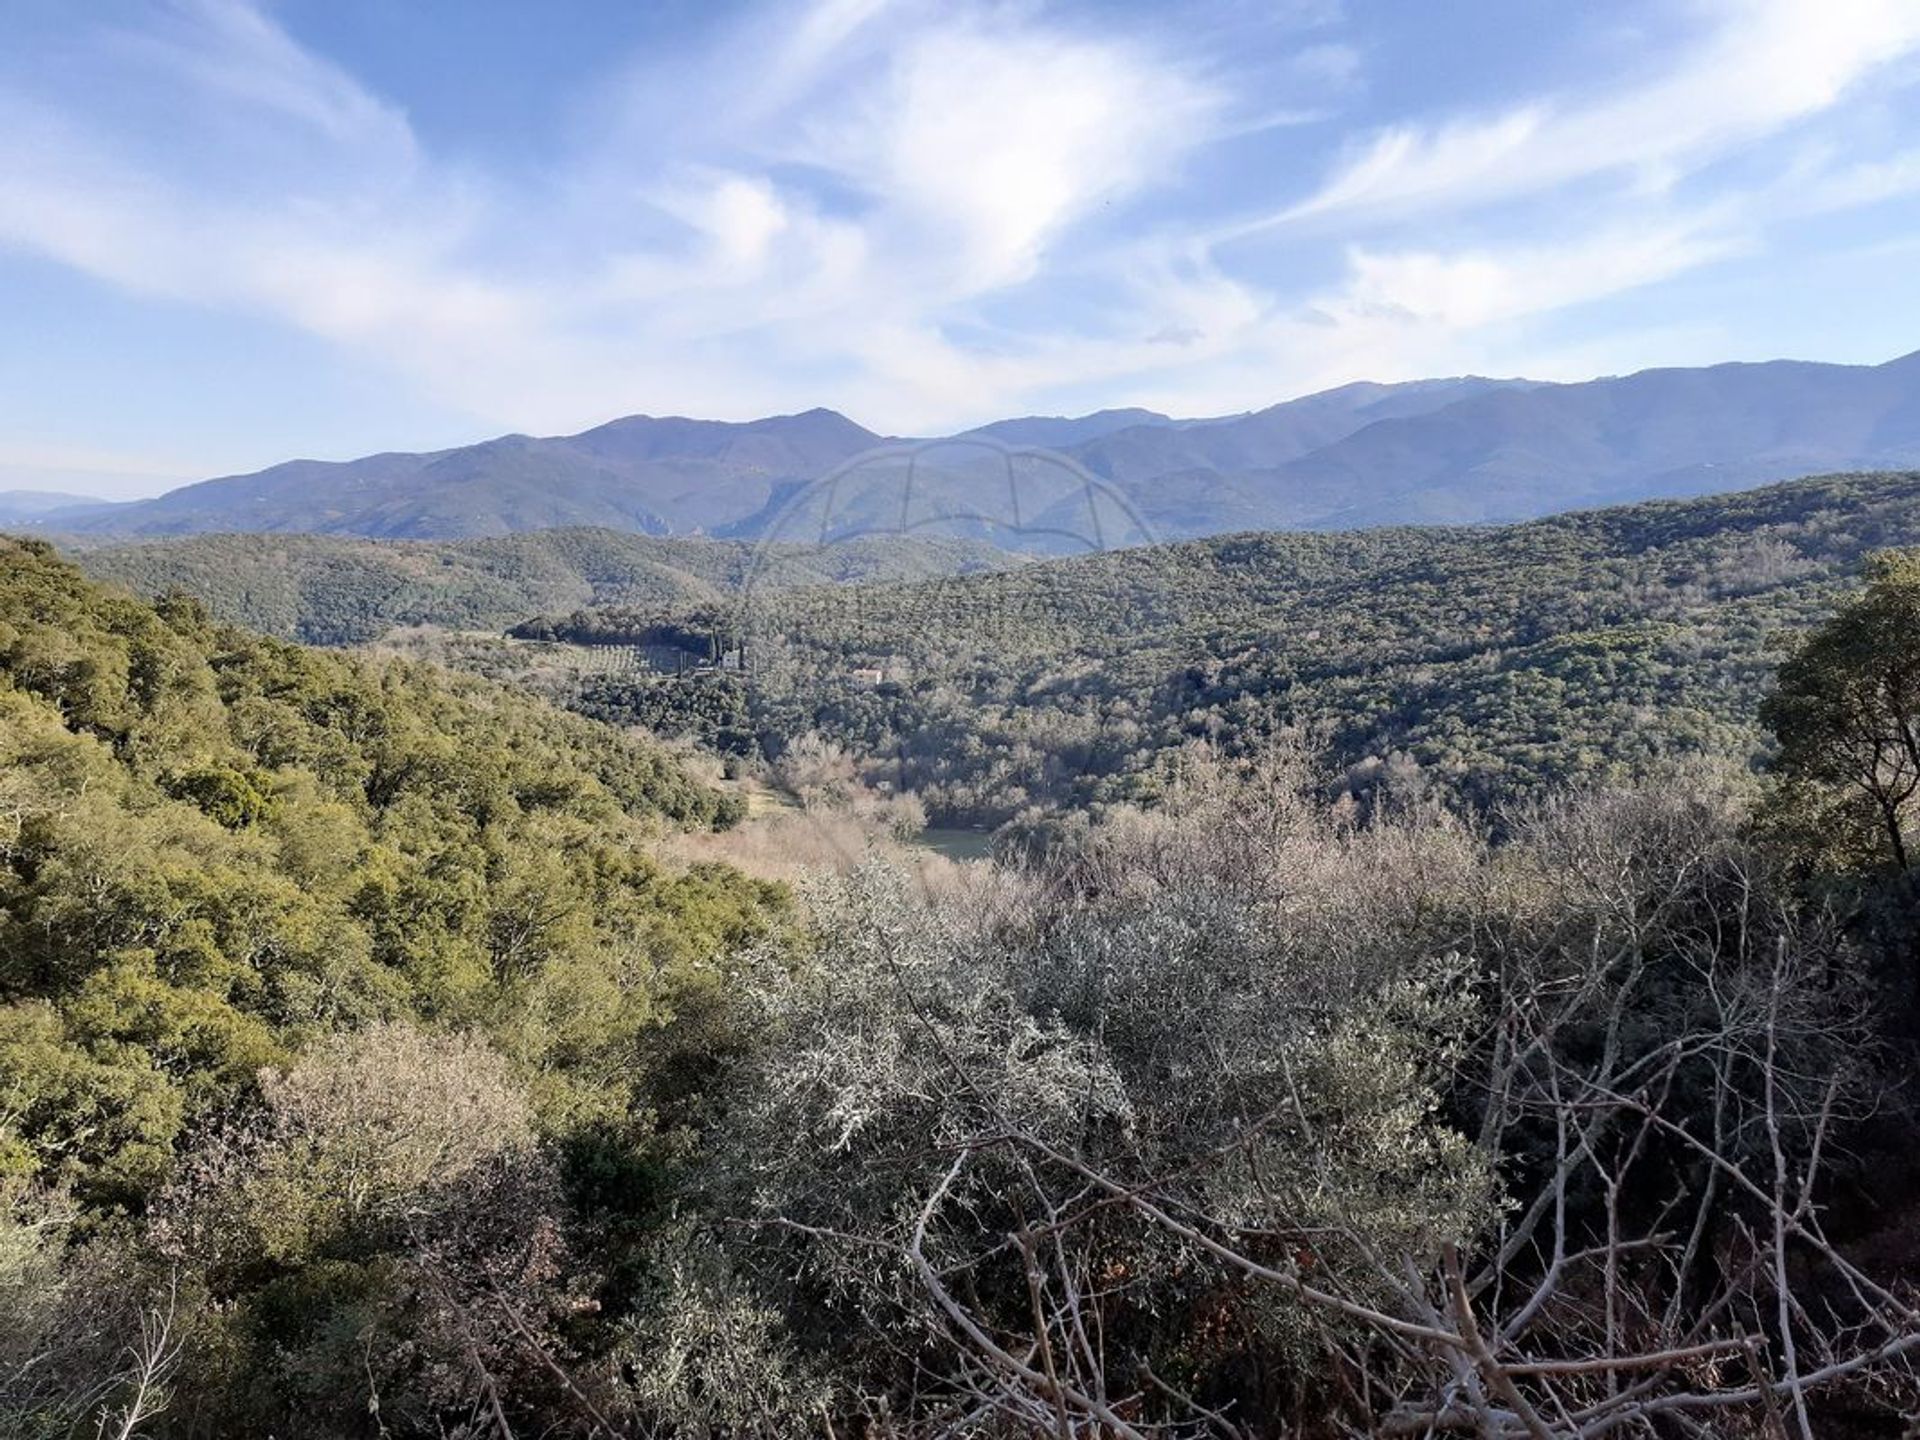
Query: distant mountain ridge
pixel 42 506
pixel 653 476
pixel 1453 451
pixel 1055 431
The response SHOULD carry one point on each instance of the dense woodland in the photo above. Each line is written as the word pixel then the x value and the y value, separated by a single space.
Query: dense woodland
pixel 218 851
pixel 332 590
pixel 1486 664
pixel 373 1063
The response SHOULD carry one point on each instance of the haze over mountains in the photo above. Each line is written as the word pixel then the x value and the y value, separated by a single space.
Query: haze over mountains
pixel 40 506
pixel 1436 451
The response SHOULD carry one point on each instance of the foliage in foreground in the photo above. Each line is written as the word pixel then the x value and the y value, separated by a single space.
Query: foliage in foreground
pixel 1847 714
pixel 1209 1128
pixel 1250 1114
pixel 1204 1129
pixel 216 847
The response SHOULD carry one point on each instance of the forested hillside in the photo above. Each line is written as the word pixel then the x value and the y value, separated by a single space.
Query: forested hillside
pixel 328 590
pixel 1485 662
pixel 364 1074
pixel 1489 663
pixel 215 847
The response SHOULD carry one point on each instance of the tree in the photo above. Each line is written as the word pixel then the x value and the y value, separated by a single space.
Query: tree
pixel 1847 711
pixel 1241 1119
pixel 383 1236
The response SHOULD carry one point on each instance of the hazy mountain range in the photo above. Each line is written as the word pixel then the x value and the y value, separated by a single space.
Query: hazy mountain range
pixel 41 506
pixel 1446 451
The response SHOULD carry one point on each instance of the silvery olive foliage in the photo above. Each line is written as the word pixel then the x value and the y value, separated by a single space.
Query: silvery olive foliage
pixel 1196 995
pixel 1248 1114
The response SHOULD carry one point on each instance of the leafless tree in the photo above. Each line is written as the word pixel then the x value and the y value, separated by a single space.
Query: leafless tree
pixel 1710 1304
pixel 89 1340
pixel 1598 1207
pixel 150 1362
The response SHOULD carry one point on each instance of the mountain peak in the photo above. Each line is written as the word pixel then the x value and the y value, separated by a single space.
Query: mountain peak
pixel 1059 431
pixel 1452 449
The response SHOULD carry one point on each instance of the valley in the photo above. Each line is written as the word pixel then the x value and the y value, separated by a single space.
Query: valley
pixel 1484 664
pixel 995 720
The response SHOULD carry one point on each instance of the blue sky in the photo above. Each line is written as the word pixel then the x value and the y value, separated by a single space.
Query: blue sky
pixel 233 232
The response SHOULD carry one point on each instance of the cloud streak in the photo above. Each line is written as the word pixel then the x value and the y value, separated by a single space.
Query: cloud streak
pixel 1762 65
pixel 926 215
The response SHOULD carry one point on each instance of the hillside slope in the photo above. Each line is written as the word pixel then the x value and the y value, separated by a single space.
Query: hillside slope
pixel 215 846
pixel 1490 662
pixel 341 590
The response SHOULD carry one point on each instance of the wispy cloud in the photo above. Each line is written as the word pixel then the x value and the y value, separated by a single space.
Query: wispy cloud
pixel 1590 195
pixel 1760 65
pixel 983 143
pixel 925 214
pixel 1467 289
pixel 967 146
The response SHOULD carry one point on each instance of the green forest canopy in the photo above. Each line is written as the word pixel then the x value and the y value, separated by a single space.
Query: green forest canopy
pixel 353 1044
pixel 337 590
pixel 214 846
pixel 1489 662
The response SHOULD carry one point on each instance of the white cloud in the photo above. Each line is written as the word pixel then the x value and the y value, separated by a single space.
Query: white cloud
pixel 1411 313
pixel 1763 65
pixel 985 142
pixel 227 49
pixel 1404 310
pixel 1469 289
pixel 973 142
pixel 888 214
